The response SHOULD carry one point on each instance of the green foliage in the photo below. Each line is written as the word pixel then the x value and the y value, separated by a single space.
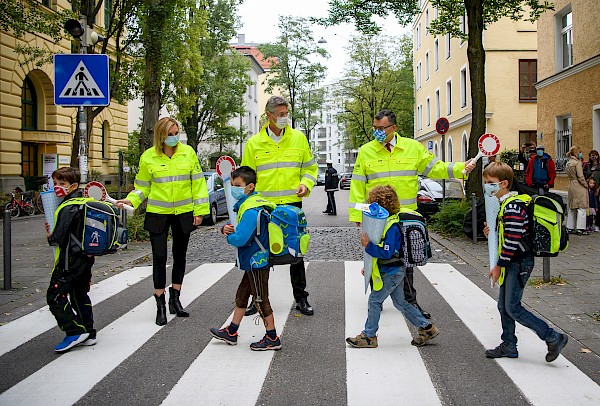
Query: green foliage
pixel 94 175
pixel 554 280
pixel 132 154
pixel 135 226
pixel 509 156
pixel 449 220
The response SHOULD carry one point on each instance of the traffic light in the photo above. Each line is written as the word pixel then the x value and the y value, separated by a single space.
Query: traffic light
pixel 80 30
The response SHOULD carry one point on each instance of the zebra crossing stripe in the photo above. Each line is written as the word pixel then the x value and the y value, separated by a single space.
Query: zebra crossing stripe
pixel 25 328
pixel 394 372
pixel 81 368
pixel 538 380
pixel 210 377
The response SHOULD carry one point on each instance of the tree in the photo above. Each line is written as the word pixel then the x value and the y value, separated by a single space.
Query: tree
pixel 293 66
pixel 480 14
pixel 310 102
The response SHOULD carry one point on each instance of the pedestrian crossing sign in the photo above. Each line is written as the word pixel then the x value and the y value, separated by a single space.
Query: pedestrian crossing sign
pixel 81 80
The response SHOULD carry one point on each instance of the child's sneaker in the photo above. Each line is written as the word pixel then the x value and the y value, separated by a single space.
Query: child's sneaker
pixel 555 346
pixel 91 340
pixel 266 343
pixel 362 341
pixel 424 335
pixel 224 335
pixel 503 350
pixel 70 342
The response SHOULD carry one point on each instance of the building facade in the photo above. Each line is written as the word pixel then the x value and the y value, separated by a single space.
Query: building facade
pixel 568 83
pixel 442 85
pixel 35 134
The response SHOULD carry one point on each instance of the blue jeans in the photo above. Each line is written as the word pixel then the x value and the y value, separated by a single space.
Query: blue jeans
pixel 511 310
pixel 393 285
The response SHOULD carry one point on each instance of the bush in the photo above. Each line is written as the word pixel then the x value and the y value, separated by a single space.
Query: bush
pixel 135 226
pixel 449 220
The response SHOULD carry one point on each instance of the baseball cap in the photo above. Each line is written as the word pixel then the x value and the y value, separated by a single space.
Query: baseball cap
pixel 329 161
pixel 540 147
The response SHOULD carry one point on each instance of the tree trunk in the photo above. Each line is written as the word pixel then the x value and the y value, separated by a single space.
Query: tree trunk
pixel 476 57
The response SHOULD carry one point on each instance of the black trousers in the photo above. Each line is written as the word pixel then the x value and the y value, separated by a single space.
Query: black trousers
pixel 410 294
pixel 331 207
pixel 298 273
pixel 158 225
pixel 70 304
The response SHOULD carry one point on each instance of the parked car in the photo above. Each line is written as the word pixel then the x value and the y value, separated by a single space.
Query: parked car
pixel 345 179
pixel 430 195
pixel 320 179
pixel 216 198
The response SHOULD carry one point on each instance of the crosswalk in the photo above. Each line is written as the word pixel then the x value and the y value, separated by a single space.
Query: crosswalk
pixel 138 362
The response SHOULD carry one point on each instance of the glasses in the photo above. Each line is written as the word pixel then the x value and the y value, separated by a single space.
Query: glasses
pixel 382 128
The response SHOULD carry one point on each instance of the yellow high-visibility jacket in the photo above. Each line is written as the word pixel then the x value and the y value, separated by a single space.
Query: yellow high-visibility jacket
pixel 173 185
pixel 281 167
pixel 376 166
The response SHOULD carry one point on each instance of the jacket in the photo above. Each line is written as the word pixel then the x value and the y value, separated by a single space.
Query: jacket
pixel 281 167
pixel 578 190
pixel 173 185
pixel 540 170
pixel 376 166
pixel 331 180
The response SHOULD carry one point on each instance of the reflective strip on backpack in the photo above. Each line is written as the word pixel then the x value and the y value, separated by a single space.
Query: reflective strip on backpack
pixel 95 224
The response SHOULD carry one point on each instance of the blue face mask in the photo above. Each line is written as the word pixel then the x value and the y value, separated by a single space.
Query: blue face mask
pixel 490 189
pixel 172 140
pixel 379 135
pixel 580 156
pixel 540 152
pixel 237 192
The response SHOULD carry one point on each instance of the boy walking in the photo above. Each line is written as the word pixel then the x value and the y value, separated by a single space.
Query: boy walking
pixel 252 241
pixel 387 263
pixel 67 294
pixel 514 266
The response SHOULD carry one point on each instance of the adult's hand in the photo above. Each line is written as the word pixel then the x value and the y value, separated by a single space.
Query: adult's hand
pixel 469 166
pixel 121 202
pixel 301 191
pixel 197 220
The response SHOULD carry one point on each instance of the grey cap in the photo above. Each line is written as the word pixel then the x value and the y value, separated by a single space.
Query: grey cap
pixel 540 147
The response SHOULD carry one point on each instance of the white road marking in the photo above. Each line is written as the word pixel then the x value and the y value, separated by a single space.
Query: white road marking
pixel 543 383
pixel 83 367
pixel 394 372
pixel 23 329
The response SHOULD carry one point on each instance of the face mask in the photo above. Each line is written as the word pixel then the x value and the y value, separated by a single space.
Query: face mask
pixel 539 152
pixel 490 189
pixel 60 191
pixel 580 155
pixel 172 140
pixel 379 135
pixel 282 122
pixel 237 192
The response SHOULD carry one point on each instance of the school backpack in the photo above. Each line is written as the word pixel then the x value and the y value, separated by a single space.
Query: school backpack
pixel 288 235
pixel 102 233
pixel 416 249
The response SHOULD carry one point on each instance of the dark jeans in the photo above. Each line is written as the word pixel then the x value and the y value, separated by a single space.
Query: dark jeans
pixel 298 273
pixel 70 304
pixel 158 240
pixel 331 207
pixel 410 294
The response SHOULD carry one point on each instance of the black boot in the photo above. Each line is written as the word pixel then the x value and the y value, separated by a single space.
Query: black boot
pixel 175 306
pixel 161 310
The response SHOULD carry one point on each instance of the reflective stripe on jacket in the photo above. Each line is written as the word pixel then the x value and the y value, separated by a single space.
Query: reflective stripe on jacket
pixel 281 167
pixel 376 166
pixel 173 185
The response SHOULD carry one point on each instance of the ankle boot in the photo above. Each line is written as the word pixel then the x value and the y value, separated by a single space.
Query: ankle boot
pixel 175 306
pixel 161 310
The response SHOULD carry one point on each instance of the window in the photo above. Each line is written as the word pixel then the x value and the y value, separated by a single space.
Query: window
pixel 447 46
pixel 426 22
pixel 527 77
pixel 420 117
pixel 28 105
pixel 465 147
pixel 463 87
pixel 418 76
pixel 426 66
pixel 436 150
pixel 105 138
pixel 428 112
pixel 527 136
pixel 107 13
pixel 563 141
pixel 436 55
pixel 418 36
pixel 463 23
pixel 566 34
pixel 449 156
pixel 29 165
pixel 437 104
pixel 435 13
pixel 449 97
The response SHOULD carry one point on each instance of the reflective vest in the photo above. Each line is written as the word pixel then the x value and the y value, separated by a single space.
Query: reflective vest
pixel 375 274
pixel 251 202
pixel 522 198
pixel 281 167
pixel 376 166
pixel 73 201
pixel 173 185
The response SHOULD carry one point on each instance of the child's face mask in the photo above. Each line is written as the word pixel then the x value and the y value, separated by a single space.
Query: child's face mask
pixel 490 189
pixel 237 192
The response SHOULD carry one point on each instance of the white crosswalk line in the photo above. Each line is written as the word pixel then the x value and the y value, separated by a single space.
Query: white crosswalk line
pixel 25 328
pixel 394 372
pixel 80 369
pixel 556 383
pixel 214 376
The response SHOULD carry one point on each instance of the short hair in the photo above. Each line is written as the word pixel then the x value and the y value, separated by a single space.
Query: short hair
pixel 386 113
pixel 161 131
pixel 67 174
pixel 246 173
pixel 501 171
pixel 386 197
pixel 274 102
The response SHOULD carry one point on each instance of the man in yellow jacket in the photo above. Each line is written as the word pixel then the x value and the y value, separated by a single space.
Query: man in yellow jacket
pixel 286 172
pixel 397 161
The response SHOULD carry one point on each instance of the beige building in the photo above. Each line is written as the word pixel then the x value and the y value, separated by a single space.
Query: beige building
pixel 569 80
pixel 35 134
pixel 442 85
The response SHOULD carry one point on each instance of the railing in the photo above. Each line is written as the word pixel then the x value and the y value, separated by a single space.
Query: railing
pixel 563 144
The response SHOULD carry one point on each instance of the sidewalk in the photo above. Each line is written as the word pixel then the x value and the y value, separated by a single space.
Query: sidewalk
pixel 574 307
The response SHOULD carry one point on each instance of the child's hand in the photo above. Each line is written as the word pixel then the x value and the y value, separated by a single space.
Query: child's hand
pixel 47 229
pixel 494 274
pixel 362 271
pixel 486 230
pixel 364 239
pixel 228 229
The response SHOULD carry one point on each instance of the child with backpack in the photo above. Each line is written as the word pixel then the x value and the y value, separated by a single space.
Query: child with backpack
pixel 389 269
pixel 591 218
pixel 514 266
pixel 71 277
pixel 250 237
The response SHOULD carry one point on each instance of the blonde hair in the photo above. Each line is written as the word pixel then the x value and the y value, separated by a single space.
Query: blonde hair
pixel 386 197
pixel 161 131
pixel 574 151
pixel 501 171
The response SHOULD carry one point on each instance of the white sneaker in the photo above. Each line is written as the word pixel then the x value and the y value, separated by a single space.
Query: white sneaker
pixel 87 343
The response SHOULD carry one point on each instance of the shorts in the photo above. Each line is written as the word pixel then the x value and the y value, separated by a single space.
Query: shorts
pixel 251 281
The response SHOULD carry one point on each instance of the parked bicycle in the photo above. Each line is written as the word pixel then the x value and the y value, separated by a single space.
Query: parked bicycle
pixel 19 206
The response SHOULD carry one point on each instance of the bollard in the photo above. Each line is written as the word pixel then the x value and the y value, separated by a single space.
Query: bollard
pixel 7 251
pixel 474 216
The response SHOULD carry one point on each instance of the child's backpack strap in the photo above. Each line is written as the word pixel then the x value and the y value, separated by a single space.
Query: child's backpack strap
pixel 260 245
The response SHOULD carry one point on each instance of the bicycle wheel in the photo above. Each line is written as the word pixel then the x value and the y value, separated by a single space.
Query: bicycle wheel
pixel 39 206
pixel 14 209
pixel 28 209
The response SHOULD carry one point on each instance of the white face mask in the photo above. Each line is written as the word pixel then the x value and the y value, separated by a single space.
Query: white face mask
pixel 490 189
pixel 282 122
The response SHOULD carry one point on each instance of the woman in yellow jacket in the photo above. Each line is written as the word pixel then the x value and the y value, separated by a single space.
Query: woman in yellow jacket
pixel 171 179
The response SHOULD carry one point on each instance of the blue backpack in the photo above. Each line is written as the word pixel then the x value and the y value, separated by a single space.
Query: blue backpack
pixel 288 235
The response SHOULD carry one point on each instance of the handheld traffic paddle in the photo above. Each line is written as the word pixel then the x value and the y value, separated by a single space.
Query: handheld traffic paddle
pixel 492 207
pixel 96 190
pixel 489 145
pixel 226 165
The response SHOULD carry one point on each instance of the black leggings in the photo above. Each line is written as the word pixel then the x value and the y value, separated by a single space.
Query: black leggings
pixel 159 253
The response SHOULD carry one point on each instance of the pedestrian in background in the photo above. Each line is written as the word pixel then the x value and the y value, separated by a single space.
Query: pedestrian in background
pixel 171 178
pixel 525 154
pixel 541 171
pixel 578 196
pixel 286 172
pixel 591 169
pixel 593 198
pixel 331 186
